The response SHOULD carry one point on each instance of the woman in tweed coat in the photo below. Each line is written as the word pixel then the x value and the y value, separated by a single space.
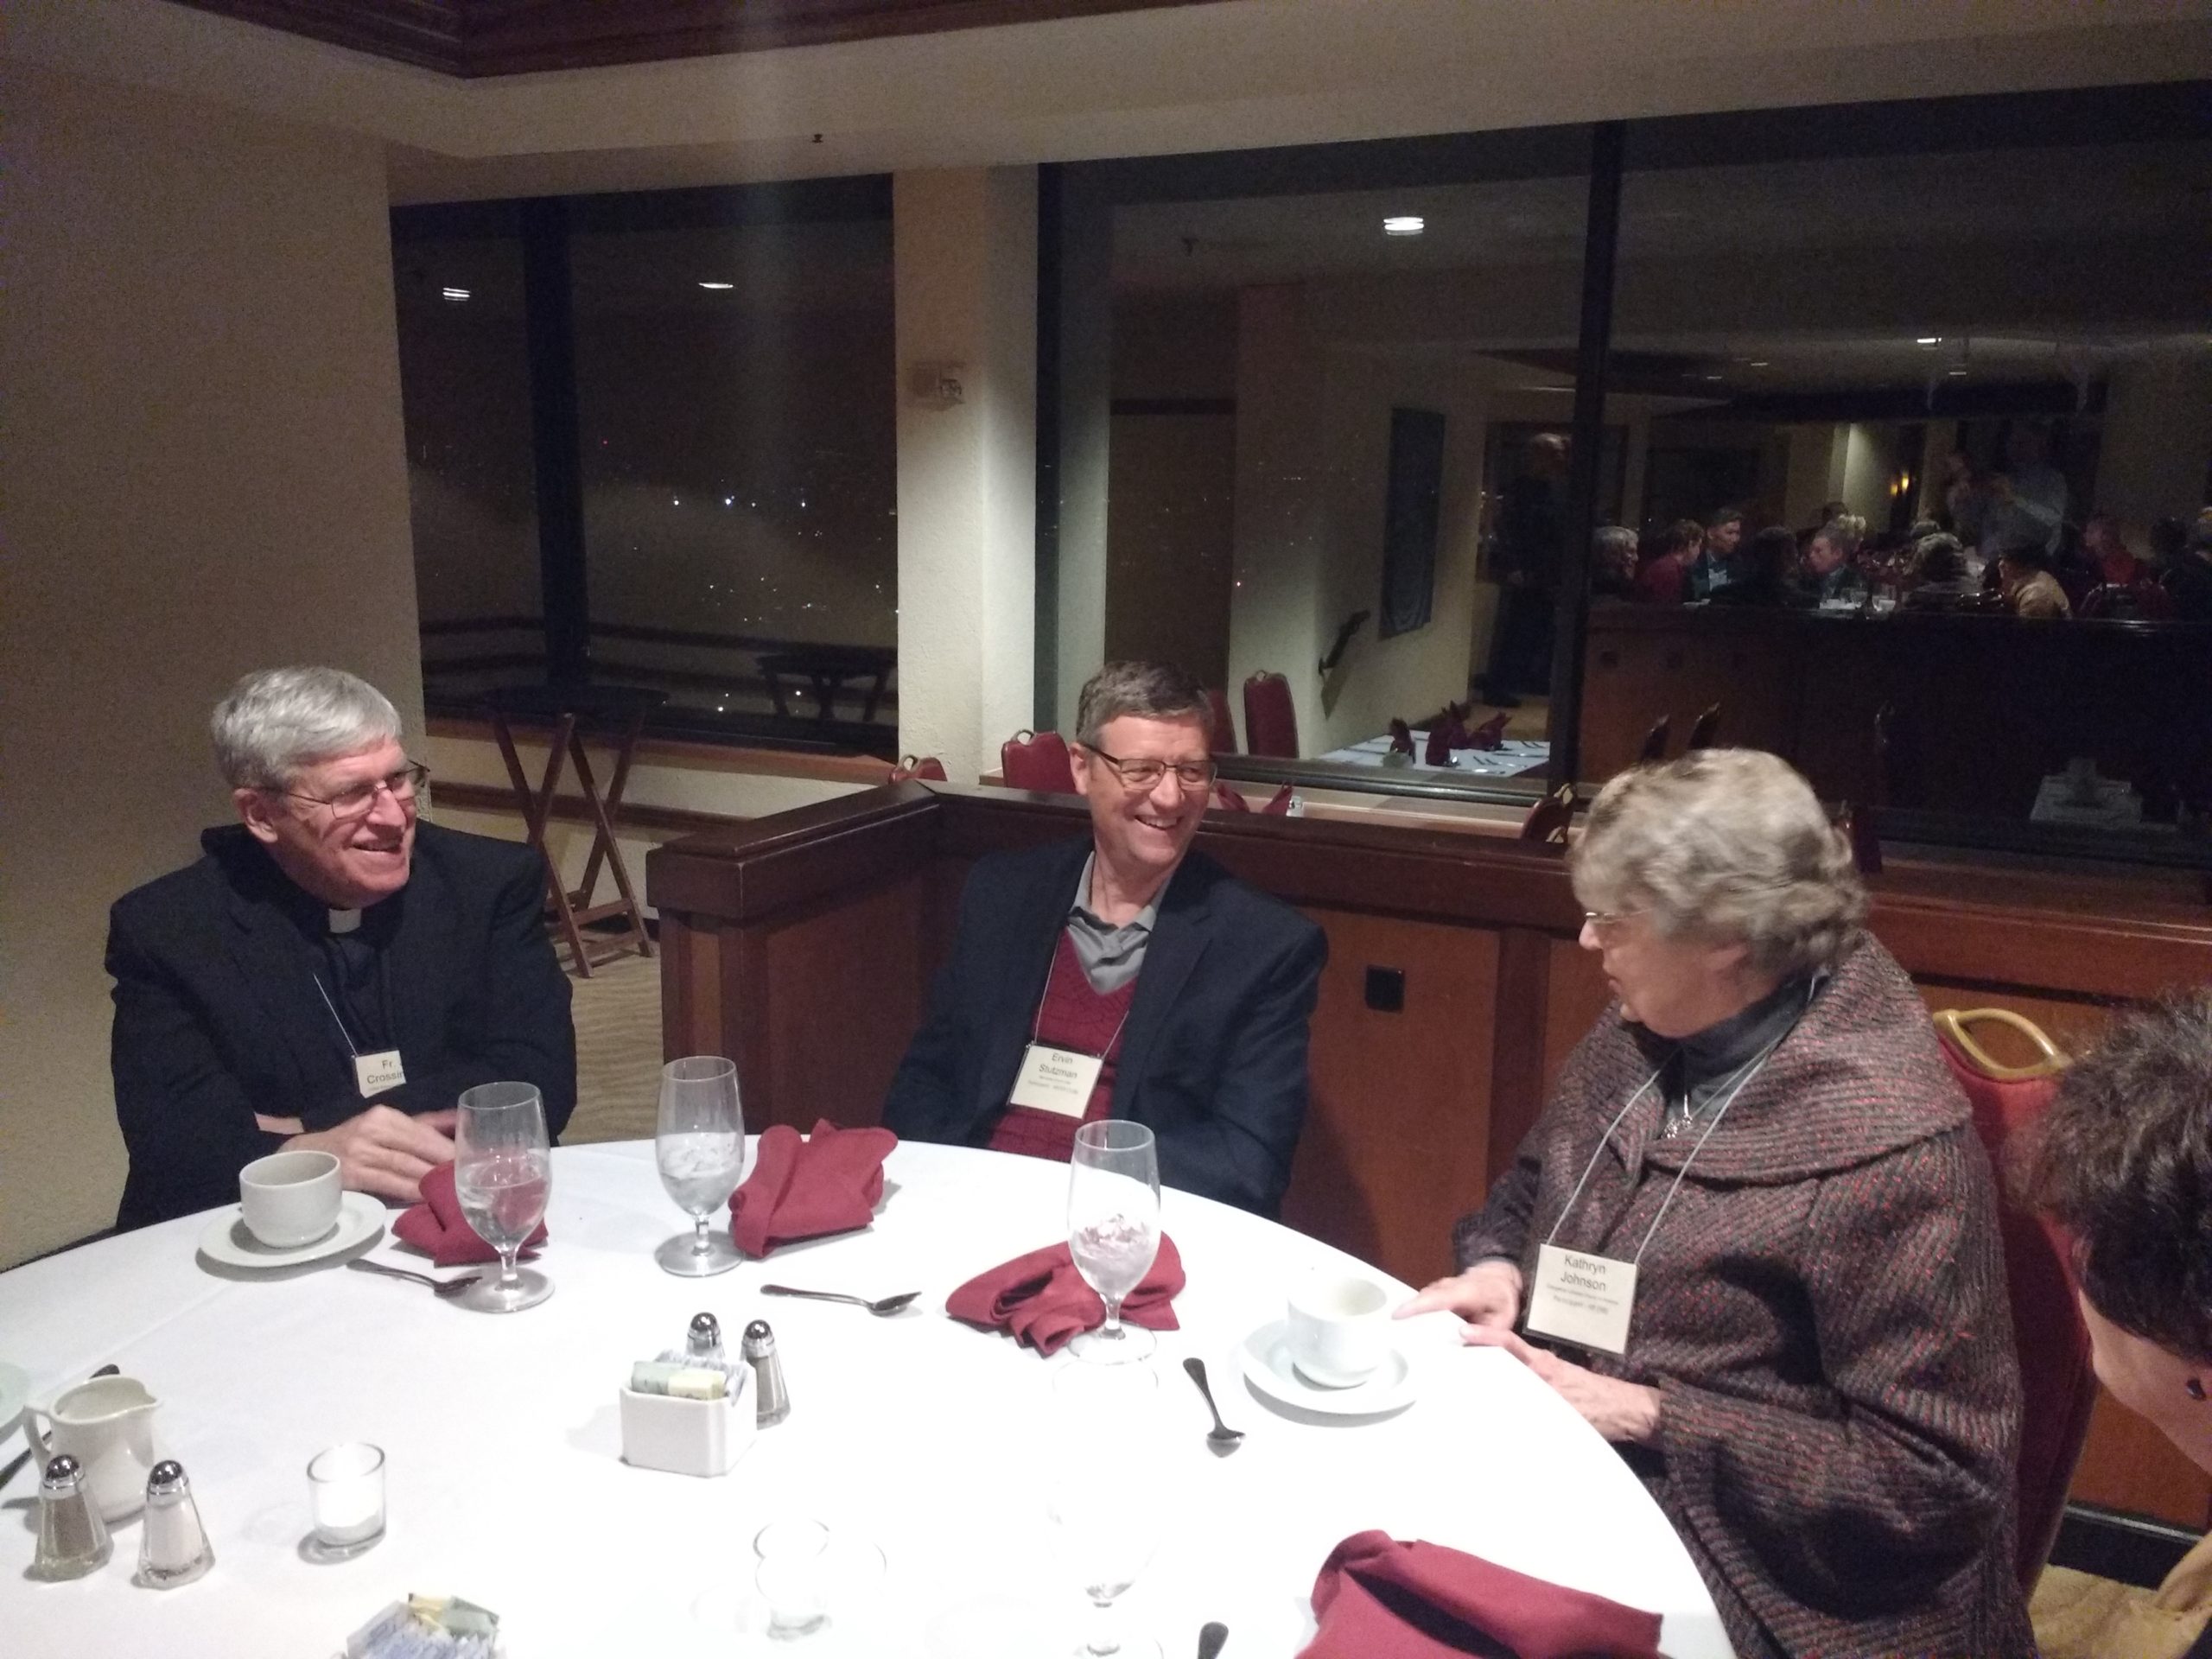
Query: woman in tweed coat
pixel 1819 1385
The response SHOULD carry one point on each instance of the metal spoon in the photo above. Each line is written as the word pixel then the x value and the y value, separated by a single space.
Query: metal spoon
pixel 1210 1639
pixel 882 1310
pixel 438 1287
pixel 1222 1438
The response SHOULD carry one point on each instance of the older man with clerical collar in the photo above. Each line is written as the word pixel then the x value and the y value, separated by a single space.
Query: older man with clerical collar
pixel 1123 974
pixel 332 973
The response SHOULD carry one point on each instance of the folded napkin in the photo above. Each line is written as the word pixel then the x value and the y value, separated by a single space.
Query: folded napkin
pixel 1401 738
pixel 1490 734
pixel 1229 800
pixel 1041 1300
pixel 1379 1598
pixel 828 1183
pixel 1437 750
pixel 437 1228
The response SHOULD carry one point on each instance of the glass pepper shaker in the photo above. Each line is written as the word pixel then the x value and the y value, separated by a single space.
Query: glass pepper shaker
pixel 173 1548
pixel 703 1343
pixel 73 1539
pixel 768 1390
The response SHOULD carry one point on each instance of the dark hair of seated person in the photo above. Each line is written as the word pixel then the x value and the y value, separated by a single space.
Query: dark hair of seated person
pixel 1772 570
pixel 2122 1161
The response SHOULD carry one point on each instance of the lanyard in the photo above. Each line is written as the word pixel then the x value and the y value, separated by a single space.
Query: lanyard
pixel 1745 1073
pixel 336 1018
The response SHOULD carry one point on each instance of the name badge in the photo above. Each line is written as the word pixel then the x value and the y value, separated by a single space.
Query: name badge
pixel 380 1073
pixel 1582 1299
pixel 1055 1079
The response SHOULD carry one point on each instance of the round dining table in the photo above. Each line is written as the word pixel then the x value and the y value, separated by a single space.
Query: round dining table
pixel 921 1442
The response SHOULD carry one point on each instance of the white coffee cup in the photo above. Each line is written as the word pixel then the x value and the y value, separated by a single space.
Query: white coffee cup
pixel 290 1199
pixel 1339 1328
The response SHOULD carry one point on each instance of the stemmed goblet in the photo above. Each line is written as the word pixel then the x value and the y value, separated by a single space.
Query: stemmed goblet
pixel 1107 1511
pixel 502 1175
pixel 699 1144
pixel 1114 1229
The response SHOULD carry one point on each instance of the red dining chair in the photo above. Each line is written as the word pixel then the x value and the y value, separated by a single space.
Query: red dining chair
pixel 1547 819
pixel 2057 1387
pixel 1270 720
pixel 1655 742
pixel 1224 729
pixel 1705 729
pixel 928 768
pixel 1037 760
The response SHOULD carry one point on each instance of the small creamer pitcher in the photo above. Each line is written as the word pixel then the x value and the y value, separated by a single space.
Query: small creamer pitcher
pixel 107 1426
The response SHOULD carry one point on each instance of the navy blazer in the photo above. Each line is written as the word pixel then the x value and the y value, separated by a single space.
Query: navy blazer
pixel 1212 1060
pixel 217 1015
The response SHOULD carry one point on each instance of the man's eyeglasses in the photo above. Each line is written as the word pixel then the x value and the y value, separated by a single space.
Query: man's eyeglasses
pixel 360 800
pixel 1147 775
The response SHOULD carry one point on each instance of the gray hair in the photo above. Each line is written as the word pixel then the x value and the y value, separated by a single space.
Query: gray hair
pixel 1615 539
pixel 1843 531
pixel 1149 690
pixel 1726 844
pixel 276 721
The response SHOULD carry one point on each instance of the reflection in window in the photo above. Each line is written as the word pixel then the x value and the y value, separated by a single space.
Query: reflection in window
pixel 1912 441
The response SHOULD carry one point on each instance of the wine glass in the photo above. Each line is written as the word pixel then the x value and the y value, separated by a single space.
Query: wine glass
pixel 1114 1229
pixel 1106 1512
pixel 502 1174
pixel 699 1146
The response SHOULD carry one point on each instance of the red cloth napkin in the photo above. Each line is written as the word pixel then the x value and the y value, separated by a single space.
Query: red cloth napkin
pixel 1379 1598
pixel 828 1183
pixel 437 1228
pixel 1401 738
pixel 1041 1300
pixel 1490 734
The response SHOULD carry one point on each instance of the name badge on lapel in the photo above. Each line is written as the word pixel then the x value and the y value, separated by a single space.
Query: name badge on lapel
pixel 380 1073
pixel 1583 1298
pixel 1057 1080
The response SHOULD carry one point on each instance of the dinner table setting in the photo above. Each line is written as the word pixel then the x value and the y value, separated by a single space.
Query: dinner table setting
pixel 869 1397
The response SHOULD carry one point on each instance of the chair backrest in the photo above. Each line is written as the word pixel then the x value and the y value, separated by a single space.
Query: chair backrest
pixel 1705 730
pixel 1270 720
pixel 1655 741
pixel 927 767
pixel 2057 1387
pixel 1224 729
pixel 1037 760
pixel 1548 818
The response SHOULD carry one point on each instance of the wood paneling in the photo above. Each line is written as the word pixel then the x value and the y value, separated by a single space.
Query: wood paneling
pixel 1389 1193
pixel 2128 1464
pixel 506 37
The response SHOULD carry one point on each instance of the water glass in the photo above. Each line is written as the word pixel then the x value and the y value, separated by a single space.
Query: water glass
pixel 1114 1229
pixel 502 1174
pixel 793 1575
pixel 346 1497
pixel 1106 1497
pixel 699 1143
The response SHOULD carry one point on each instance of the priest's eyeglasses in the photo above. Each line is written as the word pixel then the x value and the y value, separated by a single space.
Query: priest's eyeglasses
pixel 360 800
pixel 1145 775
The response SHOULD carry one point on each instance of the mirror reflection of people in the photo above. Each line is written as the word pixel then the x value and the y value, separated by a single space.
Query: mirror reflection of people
pixel 1816 1379
pixel 1716 570
pixel 1121 974
pixel 2122 1162
pixel 333 972
pixel 1830 575
pixel 1665 578
pixel 2027 497
pixel 1612 562
pixel 2024 576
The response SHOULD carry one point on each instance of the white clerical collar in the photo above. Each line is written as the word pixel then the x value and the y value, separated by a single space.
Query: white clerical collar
pixel 344 921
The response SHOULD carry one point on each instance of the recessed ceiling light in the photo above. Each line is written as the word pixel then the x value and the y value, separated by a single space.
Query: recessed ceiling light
pixel 718 286
pixel 1956 374
pixel 1928 339
pixel 1756 363
pixel 1404 225
pixel 456 295
pixel 1712 377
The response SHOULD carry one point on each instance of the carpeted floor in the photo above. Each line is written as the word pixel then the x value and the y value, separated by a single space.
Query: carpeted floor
pixel 617 1012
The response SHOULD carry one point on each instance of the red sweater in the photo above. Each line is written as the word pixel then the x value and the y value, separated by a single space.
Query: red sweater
pixel 1076 1017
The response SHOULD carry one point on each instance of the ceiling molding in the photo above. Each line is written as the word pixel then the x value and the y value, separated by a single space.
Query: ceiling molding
pixel 475 39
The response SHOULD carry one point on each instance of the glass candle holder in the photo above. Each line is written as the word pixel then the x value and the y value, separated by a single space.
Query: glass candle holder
pixel 346 1496
pixel 793 1574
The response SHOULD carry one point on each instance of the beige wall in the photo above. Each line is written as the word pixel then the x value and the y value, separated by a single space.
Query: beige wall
pixel 203 472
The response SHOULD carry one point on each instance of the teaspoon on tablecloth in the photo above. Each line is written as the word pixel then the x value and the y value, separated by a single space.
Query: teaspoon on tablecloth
pixel 438 1287
pixel 883 1309
pixel 1221 1436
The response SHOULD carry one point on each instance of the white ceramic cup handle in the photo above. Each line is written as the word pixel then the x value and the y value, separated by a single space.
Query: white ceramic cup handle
pixel 39 1442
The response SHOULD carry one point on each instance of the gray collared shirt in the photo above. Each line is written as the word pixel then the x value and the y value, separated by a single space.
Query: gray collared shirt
pixel 1111 957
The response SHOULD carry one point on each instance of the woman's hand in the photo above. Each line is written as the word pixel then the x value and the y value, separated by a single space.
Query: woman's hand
pixel 1487 1296
pixel 1617 1410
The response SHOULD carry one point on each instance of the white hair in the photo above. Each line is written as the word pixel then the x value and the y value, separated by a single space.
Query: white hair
pixel 277 720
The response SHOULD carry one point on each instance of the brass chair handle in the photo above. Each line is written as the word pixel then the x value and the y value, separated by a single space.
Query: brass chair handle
pixel 1953 1023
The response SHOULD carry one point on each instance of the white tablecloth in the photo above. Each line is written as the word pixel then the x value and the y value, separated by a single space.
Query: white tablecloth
pixel 1512 758
pixel 506 1484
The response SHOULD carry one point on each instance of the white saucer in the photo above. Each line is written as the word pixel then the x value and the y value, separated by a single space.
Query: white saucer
pixel 14 1389
pixel 360 1217
pixel 1266 1359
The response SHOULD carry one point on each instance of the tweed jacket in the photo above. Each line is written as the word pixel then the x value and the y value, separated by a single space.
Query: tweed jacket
pixel 1823 1312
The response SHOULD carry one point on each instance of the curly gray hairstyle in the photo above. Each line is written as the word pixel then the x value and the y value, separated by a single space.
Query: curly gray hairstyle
pixel 1724 844
pixel 1152 691
pixel 277 720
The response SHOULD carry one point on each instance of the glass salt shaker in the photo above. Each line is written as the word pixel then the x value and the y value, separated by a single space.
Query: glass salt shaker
pixel 174 1549
pixel 73 1539
pixel 703 1343
pixel 774 1400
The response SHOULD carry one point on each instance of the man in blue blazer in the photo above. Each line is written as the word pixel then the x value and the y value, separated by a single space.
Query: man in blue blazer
pixel 331 973
pixel 1123 976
